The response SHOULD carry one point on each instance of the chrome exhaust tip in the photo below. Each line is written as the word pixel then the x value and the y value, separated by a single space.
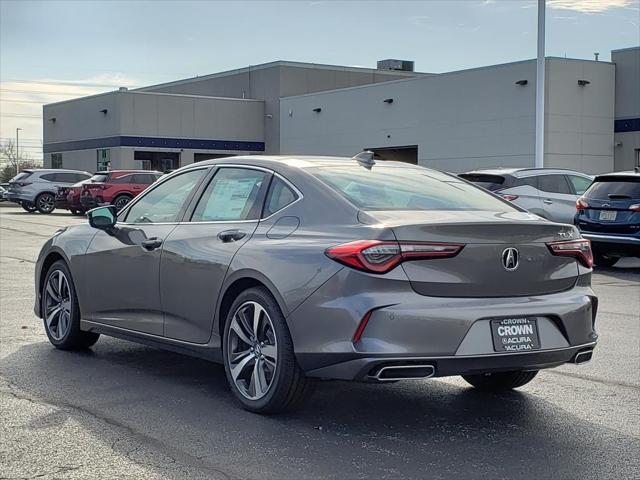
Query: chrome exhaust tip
pixel 392 373
pixel 583 357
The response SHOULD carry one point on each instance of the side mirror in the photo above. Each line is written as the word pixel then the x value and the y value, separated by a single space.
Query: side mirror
pixel 102 218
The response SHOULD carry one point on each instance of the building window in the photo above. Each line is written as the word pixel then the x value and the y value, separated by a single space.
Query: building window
pixel 104 159
pixel 56 160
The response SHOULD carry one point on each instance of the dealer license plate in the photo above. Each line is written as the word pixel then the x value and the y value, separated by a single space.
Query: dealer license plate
pixel 515 334
pixel 609 215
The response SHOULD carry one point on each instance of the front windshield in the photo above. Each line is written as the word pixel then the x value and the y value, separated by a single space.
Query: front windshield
pixel 412 188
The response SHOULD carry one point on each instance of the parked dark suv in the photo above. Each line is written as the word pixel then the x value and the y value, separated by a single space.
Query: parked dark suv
pixel 609 215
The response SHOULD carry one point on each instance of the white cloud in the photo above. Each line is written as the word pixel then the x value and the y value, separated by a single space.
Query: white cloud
pixel 21 104
pixel 589 6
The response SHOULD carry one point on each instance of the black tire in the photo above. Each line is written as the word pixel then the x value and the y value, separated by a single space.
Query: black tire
pixel 72 338
pixel 500 381
pixel 604 260
pixel 28 207
pixel 121 201
pixel 289 387
pixel 46 203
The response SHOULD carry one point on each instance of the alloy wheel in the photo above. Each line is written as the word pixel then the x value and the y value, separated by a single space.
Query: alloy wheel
pixel 252 350
pixel 57 302
pixel 121 202
pixel 46 203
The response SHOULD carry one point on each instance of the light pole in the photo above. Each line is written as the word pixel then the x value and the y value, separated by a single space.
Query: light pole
pixel 18 150
pixel 539 152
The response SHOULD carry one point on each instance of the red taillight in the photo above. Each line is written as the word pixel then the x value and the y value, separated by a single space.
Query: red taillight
pixel 377 256
pixel 581 204
pixel 579 249
pixel 363 324
pixel 509 197
pixel 635 208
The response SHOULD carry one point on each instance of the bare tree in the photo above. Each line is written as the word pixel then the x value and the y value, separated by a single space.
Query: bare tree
pixel 9 153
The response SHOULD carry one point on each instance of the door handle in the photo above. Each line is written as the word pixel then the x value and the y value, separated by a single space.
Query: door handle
pixel 151 243
pixel 231 235
pixel 547 201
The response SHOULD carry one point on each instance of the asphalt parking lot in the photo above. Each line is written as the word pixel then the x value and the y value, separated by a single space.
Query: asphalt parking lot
pixel 123 410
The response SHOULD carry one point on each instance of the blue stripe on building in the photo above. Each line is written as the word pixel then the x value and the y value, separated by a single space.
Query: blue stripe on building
pixel 627 125
pixel 154 142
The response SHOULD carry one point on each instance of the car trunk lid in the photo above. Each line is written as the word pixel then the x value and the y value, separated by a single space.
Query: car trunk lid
pixel 479 270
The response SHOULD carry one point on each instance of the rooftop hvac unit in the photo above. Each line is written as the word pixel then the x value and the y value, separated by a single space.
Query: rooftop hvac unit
pixel 393 64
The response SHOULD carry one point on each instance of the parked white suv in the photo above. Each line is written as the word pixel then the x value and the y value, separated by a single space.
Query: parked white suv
pixel 548 192
pixel 36 189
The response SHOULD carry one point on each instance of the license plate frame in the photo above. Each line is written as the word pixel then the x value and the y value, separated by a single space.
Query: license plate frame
pixel 608 215
pixel 520 335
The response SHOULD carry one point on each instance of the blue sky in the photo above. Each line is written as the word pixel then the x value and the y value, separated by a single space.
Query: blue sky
pixel 83 47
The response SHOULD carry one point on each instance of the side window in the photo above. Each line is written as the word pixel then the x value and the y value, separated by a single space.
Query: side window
pixel 122 179
pixel 66 177
pixel 280 195
pixel 580 184
pixel 49 177
pixel 143 178
pixel 531 181
pixel 79 177
pixel 232 194
pixel 163 203
pixel 553 184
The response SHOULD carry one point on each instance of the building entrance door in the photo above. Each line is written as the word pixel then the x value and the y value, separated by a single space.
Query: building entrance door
pixel 160 161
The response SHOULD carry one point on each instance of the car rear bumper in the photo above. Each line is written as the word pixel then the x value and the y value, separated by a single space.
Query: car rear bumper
pixel 452 333
pixel 88 202
pixel 368 368
pixel 615 239
pixel 18 197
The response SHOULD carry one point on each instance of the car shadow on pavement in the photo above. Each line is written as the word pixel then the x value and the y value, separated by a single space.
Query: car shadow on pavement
pixel 180 408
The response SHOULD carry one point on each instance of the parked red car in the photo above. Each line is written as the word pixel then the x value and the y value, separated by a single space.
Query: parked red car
pixel 117 187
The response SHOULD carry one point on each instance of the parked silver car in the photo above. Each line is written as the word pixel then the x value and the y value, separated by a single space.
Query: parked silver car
pixel 287 269
pixel 36 189
pixel 548 192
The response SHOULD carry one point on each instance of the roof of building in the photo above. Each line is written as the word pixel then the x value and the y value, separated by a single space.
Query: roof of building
pixel 283 63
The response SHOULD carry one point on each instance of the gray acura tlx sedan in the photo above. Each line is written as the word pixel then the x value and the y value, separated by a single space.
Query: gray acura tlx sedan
pixel 290 269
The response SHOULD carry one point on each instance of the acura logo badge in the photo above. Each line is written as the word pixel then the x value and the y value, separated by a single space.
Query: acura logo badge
pixel 510 259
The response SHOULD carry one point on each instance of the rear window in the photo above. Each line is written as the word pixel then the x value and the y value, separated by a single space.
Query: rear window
pixel 21 176
pixel 98 178
pixel 490 182
pixel 606 189
pixel 392 188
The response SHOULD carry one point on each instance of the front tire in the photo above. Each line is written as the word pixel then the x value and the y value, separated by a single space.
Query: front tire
pixel 500 381
pixel 46 203
pixel 259 360
pixel 61 312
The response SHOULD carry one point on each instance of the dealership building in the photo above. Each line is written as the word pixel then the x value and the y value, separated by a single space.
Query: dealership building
pixel 457 121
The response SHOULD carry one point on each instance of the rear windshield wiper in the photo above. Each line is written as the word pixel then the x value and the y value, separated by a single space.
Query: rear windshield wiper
pixel 620 196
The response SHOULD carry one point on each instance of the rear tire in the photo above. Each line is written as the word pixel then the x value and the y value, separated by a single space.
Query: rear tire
pixel 45 203
pixel 61 312
pixel 121 201
pixel 500 381
pixel 261 369
pixel 28 207
pixel 604 260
